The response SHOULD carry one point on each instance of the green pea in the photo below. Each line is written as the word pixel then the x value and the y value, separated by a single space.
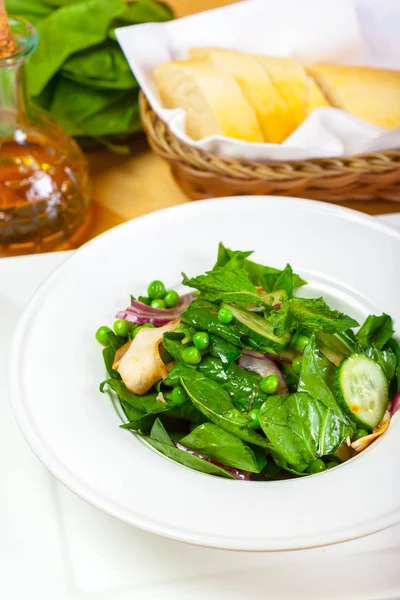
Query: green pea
pixel 316 466
pixel 300 343
pixel 225 315
pixel 296 366
pixel 149 325
pixel 156 290
pixel 255 420
pixel 191 355
pixel 270 384
pixel 122 327
pixel 171 299
pixel 179 395
pixel 136 331
pixel 201 340
pixel 101 335
pixel 360 433
pixel 158 303
pixel 144 300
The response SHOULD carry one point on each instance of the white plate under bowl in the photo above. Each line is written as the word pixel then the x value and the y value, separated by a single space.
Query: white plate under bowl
pixel 56 367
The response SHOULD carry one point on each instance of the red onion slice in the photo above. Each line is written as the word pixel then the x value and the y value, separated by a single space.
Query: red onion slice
pixel 273 357
pixel 264 367
pixel 395 405
pixel 236 473
pixel 140 313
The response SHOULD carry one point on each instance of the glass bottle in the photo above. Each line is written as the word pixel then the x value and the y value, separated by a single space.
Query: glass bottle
pixel 44 184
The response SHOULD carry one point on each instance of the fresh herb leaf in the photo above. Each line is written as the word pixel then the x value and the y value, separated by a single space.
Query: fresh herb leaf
pixel 260 275
pixel 224 285
pixel 284 281
pixel 281 320
pixel 225 447
pixel 375 331
pixel 313 314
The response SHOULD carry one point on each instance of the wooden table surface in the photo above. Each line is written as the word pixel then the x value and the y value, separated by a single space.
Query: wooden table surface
pixel 125 187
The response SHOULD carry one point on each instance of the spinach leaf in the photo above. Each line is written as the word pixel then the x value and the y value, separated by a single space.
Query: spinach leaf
pixel 148 403
pixel 90 57
pixel 284 281
pixel 242 386
pixel 55 47
pixel 386 359
pixel 137 420
pixel 145 11
pixel 395 347
pixel 203 315
pixel 160 434
pixel 291 424
pixel 260 275
pixel 214 402
pixel 108 357
pixel 317 375
pixel 187 412
pixel 178 371
pixel 160 440
pixel 224 285
pixel 313 314
pixel 224 350
pixel 172 342
pixel 225 447
pixel 116 341
pixel 375 331
pixel 214 369
pixel 316 378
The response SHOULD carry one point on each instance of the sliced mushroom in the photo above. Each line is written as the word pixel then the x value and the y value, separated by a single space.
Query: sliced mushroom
pixel 364 442
pixel 141 366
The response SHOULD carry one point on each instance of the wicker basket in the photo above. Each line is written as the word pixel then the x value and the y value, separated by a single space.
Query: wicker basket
pixel 204 175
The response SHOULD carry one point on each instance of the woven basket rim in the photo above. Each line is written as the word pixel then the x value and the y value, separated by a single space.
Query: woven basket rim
pixel 169 147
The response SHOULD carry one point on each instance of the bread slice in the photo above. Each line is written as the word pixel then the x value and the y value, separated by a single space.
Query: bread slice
pixel 315 98
pixel 371 94
pixel 211 98
pixel 290 80
pixel 273 113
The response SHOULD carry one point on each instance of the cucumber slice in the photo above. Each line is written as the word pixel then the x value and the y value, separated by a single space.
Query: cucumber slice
pixel 257 329
pixel 362 390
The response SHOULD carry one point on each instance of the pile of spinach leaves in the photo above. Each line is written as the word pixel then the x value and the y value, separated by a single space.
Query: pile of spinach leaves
pixel 210 429
pixel 78 73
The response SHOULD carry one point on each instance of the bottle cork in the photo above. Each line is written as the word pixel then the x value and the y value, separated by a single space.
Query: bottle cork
pixel 7 44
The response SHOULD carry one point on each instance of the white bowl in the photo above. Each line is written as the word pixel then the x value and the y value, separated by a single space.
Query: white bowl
pixel 56 367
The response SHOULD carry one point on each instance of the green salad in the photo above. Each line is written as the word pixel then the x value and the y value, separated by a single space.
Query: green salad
pixel 244 378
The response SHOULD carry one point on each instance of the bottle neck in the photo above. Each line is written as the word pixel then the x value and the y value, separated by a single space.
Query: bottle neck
pixel 12 98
